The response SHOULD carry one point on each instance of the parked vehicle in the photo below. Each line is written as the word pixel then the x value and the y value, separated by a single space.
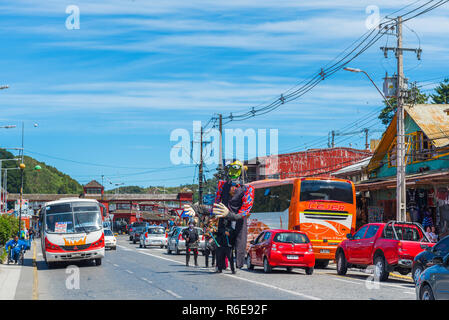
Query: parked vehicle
pixel 433 282
pixel 135 226
pixel 153 236
pixel 281 248
pixel 176 243
pixel 136 233
pixel 424 259
pixel 388 246
pixel 324 209
pixel 110 242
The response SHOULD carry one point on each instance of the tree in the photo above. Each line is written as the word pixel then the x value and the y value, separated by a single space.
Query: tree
pixel 415 96
pixel 442 93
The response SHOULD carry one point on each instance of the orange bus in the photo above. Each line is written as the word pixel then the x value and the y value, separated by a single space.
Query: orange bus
pixel 325 209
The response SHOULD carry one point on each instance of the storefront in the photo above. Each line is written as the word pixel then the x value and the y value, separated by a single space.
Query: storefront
pixel 427 200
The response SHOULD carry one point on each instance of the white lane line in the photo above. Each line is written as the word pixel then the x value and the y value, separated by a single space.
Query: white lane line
pixel 173 294
pixel 156 256
pixel 130 272
pixel 115 265
pixel 274 287
pixel 146 280
pixel 124 248
pixel 357 281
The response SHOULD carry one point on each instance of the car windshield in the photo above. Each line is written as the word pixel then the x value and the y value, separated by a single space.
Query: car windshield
pixel 108 232
pixel 290 237
pixel 326 190
pixel 156 231
pixel 73 218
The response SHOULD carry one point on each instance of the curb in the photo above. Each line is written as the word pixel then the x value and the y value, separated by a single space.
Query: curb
pixel 400 276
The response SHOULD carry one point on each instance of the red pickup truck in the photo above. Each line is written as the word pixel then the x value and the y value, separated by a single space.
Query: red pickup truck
pixel 388 246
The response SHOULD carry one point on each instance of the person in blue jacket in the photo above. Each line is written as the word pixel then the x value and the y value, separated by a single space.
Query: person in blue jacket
pixel 16 246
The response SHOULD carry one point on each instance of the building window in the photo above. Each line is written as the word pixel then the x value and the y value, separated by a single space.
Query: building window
pixel 392 155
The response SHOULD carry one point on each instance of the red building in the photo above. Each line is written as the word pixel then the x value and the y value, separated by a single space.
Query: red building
pixel 313 162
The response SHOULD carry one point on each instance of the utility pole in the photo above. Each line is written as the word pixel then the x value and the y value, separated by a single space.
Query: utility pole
pixel 220 129
pixel 401 94
pixel 400 147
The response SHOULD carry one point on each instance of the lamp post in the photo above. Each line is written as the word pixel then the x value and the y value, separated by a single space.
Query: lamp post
pixel 22 167
pixel 400 168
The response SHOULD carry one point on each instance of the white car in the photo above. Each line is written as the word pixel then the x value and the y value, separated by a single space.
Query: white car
pixel 109 240
pixel 153 236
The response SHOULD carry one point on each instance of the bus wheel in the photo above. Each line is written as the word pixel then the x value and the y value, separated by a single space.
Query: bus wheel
pixel 98 262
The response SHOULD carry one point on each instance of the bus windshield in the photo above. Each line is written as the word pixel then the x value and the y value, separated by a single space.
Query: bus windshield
pixel 337 191
pixel 73 218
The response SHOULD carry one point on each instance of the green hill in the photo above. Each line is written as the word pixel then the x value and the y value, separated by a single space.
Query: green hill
pixel 47 180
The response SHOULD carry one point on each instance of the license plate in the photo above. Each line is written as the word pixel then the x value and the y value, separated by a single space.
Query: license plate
pixel 290 257
pixel 324 251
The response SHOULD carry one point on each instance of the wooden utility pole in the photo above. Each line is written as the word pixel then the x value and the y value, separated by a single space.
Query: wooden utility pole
pixel 200 170
pixel 220 156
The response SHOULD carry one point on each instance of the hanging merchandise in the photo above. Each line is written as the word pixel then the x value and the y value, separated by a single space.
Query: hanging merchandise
pixel 421 199
pixel 431 198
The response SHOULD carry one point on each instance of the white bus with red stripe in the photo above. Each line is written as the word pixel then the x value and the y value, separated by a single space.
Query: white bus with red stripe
pixel 72 230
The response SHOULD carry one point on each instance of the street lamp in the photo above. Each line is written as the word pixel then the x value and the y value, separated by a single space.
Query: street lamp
pixel 400 172
pixel 358 71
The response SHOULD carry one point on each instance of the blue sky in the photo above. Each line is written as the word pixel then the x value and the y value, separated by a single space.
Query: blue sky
pixel 107 96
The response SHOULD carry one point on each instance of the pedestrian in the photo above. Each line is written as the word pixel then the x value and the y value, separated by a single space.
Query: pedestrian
pixel 427 220
pixel 210 246
pixel 225 238
pixel 191 237
pixel 430 233
pixel 16 246
pixel 31 233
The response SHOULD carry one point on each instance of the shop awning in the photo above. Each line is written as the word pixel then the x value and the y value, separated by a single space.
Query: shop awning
pixel 434 178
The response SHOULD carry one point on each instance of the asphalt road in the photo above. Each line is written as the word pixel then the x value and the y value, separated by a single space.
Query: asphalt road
pixel 151 273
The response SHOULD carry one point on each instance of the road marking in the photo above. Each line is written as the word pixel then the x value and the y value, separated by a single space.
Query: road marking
pixel 153 255
pixel 130 272
pixel 35 274
pixel 274 287
pixel 380 283
pixel 115 265
pixel 146 280
pixel 173 294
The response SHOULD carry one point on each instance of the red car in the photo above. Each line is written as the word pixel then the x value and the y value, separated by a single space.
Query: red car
pixel 281 248
pixel 388 246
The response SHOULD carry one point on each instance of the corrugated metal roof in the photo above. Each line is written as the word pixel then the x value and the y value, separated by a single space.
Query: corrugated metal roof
pixel 433 121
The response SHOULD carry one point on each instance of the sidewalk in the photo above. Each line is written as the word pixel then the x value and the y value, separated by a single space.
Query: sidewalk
pixel 10 277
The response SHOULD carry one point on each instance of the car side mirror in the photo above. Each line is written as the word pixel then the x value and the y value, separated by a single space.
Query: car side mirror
pixel 349 236
pixel 425 247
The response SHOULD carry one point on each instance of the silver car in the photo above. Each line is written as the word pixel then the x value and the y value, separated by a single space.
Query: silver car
pixel 433 283
pixel 176 242
pixel 153 236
